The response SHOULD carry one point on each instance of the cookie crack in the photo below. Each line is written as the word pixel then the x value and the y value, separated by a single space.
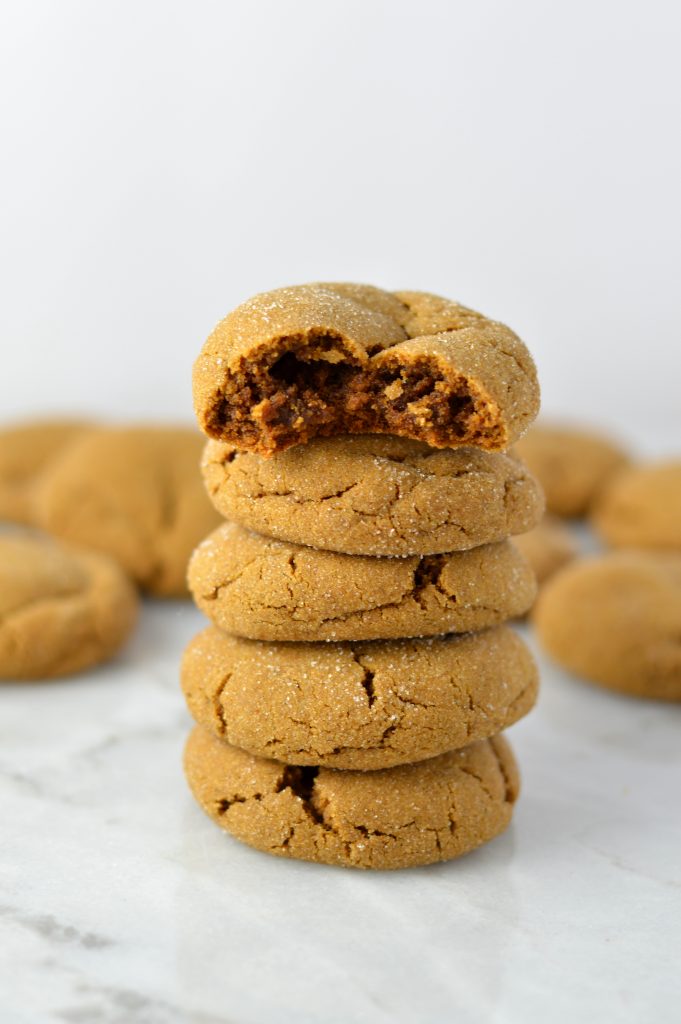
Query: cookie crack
pixel 525 370
pixel 223 805
pixel 413 703
pixel 509 484
pixel 370 832
pixel 509 788
pixel 299 500
pixel 361 615
pixel 301 781
pixel 519 697
pixel 367 680
pixel 426 574
pixel 474 775
pixel 214 592
pixel 468 318
pixel 387 732
pixel 288 582
pixel 217 704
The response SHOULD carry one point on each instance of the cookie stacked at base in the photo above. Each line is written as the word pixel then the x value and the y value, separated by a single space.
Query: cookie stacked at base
pixel 351 689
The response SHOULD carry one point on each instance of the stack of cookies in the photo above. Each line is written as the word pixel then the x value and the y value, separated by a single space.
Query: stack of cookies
pixel 351 689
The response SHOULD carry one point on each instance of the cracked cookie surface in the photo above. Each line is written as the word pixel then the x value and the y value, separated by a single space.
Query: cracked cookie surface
pixel 270 590
pixel 26 449
pixel 325 359
pixel 571 465
pixel 135 494
pixel 616 620
pixel 392 818
pixel 641 508
pixel 374 495
pixel 61 609
pixel 361 706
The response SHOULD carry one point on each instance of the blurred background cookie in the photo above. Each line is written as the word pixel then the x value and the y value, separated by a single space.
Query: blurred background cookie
pixel 134 493
pixel 641 507
pixel 616 620
pixel 25 451
pixel 374 495
pixel 61 609
pixel 547 547
pixel 572 464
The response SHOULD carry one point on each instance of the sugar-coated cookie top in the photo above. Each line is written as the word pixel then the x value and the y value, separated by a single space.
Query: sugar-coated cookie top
pixel 374 494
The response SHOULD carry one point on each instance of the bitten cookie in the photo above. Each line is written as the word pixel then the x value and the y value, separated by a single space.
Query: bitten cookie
pixel 61 610
pixel 641 507
pixel 373 495
pixel 362 706
pixel 325 359
pixel 134 493
pixel 25 450
pixel 394 818
pixel 616 620
pixel 268 590
pixel 548 547
pixel 571 465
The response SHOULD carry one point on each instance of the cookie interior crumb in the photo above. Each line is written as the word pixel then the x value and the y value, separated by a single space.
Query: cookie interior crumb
pixel 311 386
pixel 316 360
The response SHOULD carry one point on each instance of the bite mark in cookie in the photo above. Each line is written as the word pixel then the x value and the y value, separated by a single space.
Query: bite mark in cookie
pixel 318 360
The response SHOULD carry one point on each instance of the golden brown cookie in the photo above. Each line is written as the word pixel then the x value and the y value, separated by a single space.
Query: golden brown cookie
pixel 270 590
pixel 323 359
pixel 394 818
pixel 572 465
pixel 641 507
pixel 362 706
pixel 374 495
pixel 548 547
pixel 134 493
pixel 61 610
pixel 616 620
pixel 25 450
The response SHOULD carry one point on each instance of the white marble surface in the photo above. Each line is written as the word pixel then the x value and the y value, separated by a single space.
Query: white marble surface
pixel 122 904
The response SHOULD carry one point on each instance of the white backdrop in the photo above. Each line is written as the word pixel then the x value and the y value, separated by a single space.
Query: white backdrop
pixel 164 160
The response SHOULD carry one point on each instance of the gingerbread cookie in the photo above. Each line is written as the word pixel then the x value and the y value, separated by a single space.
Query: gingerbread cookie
pixel 25 450
pixel 641 507
pixel 323 359
pixel 395 818
pixel 616 620
pixel 61 610
pixel 269 590
pixel 134 493
pixel 374 495
pixel 362 706
pixel 548 547
pixel 571 465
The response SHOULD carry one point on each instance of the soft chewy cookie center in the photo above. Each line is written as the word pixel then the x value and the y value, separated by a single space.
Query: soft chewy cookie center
pixel 312 386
